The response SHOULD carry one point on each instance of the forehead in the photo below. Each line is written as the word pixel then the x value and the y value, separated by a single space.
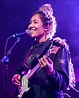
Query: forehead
pixel 36 17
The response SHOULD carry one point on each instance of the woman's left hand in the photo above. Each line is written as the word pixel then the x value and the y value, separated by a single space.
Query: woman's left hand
pixel 46 64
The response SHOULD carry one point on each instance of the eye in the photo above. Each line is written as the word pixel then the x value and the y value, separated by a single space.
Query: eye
pixel 35 22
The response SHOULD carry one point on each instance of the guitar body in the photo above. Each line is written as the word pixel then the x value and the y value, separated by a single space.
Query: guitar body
pixel 24 86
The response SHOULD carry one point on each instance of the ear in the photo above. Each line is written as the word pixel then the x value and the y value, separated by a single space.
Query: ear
pixel 46 28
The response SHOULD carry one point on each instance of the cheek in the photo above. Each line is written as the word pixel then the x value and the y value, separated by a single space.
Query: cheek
pixel 41 28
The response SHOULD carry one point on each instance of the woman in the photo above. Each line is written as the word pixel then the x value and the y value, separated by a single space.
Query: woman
pixel 49 54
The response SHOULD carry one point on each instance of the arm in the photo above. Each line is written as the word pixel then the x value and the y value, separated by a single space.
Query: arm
pixel 56 68
pixel 18 73
pixel 60 74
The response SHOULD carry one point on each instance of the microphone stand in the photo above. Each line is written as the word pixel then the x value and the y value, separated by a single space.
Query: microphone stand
pixel 5 61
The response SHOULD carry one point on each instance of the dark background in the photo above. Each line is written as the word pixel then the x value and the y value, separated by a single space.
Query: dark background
pixel 14 18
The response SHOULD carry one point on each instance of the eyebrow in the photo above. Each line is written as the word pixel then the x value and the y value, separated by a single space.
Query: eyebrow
pixel 33 20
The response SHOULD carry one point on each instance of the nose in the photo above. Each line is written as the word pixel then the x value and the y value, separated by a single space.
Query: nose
pixel 30 26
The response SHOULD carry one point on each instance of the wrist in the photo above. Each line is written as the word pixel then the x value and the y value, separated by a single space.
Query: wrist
pixel 50 72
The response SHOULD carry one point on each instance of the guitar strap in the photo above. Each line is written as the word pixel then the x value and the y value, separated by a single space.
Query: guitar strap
pixel 29 52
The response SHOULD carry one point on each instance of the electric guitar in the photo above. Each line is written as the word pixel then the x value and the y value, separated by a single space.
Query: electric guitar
pixel 24 82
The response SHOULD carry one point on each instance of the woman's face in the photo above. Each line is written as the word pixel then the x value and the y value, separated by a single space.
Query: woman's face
pixel 36 27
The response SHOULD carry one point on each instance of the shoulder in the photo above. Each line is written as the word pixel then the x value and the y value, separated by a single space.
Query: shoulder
pixel 57 41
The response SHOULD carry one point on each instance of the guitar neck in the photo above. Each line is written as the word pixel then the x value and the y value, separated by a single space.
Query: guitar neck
pixel 33 70
pixel 38 65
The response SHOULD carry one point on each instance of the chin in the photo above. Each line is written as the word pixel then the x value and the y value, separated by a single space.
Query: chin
pixel 32 35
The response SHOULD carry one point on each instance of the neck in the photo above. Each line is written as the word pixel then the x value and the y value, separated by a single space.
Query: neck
pixel 41 39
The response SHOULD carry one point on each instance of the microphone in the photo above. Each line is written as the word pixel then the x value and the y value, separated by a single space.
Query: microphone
pixel 27 31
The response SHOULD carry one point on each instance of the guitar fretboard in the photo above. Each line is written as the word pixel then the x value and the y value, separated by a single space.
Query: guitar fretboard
pixel 33 70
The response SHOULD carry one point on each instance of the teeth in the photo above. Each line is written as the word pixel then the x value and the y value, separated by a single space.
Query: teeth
pixel 32 31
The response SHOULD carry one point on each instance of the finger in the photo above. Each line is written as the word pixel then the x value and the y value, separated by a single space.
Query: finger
pixel 42 62
pixel 18 77
pixel 16 81
pixel 49 61
pixel 13 80
pixel 44 58
pixel 18 84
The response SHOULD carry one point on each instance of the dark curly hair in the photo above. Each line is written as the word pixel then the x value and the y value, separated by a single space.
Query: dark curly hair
pixel 46 15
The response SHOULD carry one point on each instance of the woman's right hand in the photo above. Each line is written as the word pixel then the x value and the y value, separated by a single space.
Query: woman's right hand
pixel 16 80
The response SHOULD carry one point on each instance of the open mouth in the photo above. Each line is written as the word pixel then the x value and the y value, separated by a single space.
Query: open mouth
pixel 32 30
